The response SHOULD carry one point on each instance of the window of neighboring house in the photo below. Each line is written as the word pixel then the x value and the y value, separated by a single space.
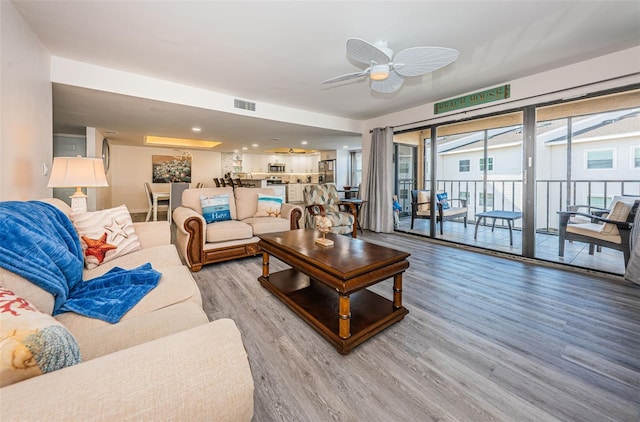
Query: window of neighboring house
pixel 464 166
pixel 489 199
pixel 600 159
pixel 599 201
pixel 635 158
pixel 489 165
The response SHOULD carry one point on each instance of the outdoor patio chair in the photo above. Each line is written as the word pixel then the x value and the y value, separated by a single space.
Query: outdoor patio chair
pixel 612 230
pixel 446 209
pixel 324 200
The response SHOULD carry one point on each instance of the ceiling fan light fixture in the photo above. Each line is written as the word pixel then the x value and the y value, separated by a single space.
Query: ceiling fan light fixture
pixel 379 72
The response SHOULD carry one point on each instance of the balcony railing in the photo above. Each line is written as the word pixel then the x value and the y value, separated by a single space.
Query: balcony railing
pixel 551 196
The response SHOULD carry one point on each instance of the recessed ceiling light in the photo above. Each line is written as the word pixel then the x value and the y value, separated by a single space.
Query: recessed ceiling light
pixel 304 142
pixel 179 142
pixel 244 148
pixel 254 145
pixel 346 147
pixel 196 129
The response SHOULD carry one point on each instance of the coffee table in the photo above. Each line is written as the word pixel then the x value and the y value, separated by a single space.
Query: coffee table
pixel 326 286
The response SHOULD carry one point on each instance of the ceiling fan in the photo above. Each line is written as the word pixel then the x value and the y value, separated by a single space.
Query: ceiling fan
pixel 387 72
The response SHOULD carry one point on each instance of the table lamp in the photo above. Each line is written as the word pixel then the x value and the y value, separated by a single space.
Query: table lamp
pixel 77 172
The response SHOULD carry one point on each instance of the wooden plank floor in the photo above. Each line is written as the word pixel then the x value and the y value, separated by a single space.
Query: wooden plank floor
pixel 486 339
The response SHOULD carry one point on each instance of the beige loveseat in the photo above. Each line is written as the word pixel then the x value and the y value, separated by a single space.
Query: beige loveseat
pixel 201 243
pixel 163 361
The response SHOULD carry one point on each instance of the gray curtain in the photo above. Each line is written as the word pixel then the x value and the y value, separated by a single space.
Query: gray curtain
pixel 632 272
pixel 378 212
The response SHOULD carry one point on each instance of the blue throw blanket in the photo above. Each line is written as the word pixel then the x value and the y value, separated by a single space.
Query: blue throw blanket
pixel 39 243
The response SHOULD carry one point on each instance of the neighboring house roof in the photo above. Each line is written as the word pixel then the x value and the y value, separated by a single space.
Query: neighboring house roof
pixel 585 128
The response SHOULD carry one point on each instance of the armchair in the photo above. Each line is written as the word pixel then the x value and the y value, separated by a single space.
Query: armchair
pixel 421 208
pixel 612 230
pixel 324 200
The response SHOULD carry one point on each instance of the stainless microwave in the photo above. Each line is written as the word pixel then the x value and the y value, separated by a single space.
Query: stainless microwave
pixel 276 167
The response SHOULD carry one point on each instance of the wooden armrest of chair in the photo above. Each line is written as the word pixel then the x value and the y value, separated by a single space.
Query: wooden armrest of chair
pixel 316 209
pixel 348 207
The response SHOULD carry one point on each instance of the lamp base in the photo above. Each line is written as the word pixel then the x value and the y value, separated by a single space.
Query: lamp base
pixel 78 202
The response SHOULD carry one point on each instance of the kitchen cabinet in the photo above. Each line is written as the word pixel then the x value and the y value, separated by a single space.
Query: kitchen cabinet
pixel 280 191
pixel 295 192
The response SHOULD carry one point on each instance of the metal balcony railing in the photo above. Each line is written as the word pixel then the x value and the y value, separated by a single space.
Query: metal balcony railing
pixel 551 196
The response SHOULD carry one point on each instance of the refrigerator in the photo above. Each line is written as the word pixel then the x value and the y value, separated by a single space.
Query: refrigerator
pixel 327 171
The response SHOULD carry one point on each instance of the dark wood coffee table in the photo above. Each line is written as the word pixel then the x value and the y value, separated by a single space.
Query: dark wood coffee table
pixel 326 286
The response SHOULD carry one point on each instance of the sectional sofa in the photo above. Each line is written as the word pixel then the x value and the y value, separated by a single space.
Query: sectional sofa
pixel 162 361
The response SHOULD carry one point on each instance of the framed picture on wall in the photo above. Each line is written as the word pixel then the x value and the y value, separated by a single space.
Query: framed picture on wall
pixel 170 169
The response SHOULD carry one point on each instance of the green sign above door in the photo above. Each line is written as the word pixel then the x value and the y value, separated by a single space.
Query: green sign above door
pixel 493 94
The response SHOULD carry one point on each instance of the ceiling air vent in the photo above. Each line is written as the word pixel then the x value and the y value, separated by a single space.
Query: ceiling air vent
pixel 244 105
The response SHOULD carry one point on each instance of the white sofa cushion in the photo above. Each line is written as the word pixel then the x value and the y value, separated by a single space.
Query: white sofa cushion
pixel 223 231
pixel 262 225
pixel 159 257
pixel 176 285
pixel 247 200
pixel 140 329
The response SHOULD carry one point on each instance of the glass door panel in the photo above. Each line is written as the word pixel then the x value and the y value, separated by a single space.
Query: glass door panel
pixel 482 171
pixel 409 173
pixel 584 159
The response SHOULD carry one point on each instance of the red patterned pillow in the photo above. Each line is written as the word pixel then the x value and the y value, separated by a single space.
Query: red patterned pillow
pixel 33 343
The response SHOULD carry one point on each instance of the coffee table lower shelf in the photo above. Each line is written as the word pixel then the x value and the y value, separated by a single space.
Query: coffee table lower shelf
pixel 318 305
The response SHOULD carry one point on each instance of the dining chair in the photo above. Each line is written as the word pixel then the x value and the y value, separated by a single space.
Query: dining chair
pixel 161 202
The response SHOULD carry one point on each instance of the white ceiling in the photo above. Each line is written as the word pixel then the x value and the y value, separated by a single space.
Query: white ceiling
pixel 279 53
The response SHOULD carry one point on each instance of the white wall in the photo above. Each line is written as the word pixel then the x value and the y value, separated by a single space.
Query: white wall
pixel 26 134
pixel 131 168
pixel 71 72
pixel 565 82
pixel 602 73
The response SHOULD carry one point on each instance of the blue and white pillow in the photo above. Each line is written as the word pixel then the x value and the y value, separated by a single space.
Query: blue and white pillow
pixel 444 200
pixel 215 208
pixel 269 206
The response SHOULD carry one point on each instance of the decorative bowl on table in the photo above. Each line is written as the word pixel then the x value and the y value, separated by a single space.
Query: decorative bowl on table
pixel 346 187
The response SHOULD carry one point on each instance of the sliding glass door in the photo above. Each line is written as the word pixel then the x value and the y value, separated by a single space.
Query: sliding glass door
pixel 479 167
pixel 582 153
pixel 587 153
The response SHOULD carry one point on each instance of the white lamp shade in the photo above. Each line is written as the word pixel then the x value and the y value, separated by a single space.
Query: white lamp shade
pixel 74 172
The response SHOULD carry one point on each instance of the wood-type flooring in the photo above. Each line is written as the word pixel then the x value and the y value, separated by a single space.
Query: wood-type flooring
pixel 486 339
